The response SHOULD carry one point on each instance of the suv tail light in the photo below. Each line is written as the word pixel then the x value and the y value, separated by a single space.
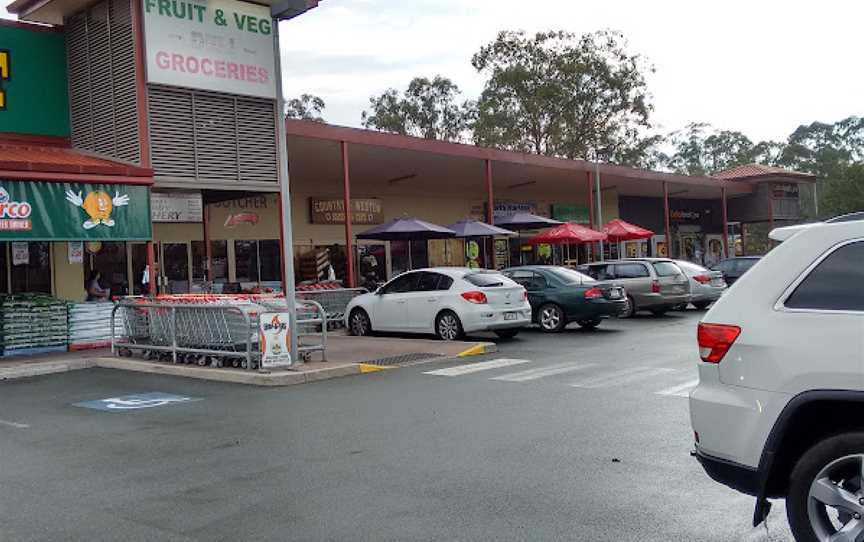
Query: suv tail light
pixel 655 286
pixel 715 340
pixel 593 293
pixel 474 297
pixel 524 295
pixel 702 279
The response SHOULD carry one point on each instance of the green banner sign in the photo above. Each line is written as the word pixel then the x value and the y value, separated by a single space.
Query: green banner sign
pixel 570 213
pixel 40 211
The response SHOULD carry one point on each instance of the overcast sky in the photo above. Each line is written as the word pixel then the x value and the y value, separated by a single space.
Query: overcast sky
pixel 759 66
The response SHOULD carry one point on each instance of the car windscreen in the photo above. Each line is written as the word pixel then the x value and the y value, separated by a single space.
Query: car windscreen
pixel 666 269
pixel 569 276
pixel 486 280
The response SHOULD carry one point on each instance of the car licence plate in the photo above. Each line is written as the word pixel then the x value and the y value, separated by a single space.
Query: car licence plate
pixel 614 293
pixel 510 315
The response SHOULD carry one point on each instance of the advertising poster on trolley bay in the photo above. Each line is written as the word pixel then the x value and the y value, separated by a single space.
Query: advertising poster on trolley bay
pixel 274 339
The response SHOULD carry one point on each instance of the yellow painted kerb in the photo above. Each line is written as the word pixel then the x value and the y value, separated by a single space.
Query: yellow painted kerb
pixel 369 368
pixel 475 350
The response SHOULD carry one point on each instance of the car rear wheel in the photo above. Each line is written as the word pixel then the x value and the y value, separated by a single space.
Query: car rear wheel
pixel 507 333
pixel 701 305
pixel 448 327
pixel 359 323
pixel 550 317
pixel 826 491
pixel 629 308
pixel 589 324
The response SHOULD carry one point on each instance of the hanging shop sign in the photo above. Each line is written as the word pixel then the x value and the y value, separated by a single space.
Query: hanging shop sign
pixel 73 211
pixel 176 207
pixel 364 211
pixel 681 215
pixel 220 45
pixel 570 213
pixel 274 339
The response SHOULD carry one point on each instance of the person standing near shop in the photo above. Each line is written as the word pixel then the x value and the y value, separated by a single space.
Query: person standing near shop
pixel 95 291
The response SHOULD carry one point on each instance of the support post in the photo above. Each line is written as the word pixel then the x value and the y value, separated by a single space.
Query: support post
pixel 490 202
pixel 725 223
pixel 599 203
pixel 490 215
pixel 666 223
pixel 151 269
pixel 285 200
pixel 590 246
pixel 281 247
pixel 346 201
pixel 208 252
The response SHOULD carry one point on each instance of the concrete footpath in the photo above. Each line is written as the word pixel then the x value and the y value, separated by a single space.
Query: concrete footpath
pixel 345 356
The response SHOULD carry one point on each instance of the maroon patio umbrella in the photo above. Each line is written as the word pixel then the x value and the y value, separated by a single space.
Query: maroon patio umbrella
pixel 619 230
pixel 566 234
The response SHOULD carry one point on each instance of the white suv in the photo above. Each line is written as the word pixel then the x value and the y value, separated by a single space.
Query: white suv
pixel 779 409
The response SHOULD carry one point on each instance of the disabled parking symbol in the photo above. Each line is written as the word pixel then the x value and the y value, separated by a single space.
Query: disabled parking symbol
pixel 138 401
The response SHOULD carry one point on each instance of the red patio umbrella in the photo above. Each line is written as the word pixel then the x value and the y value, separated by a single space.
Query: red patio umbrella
pixel 620 230
pixel 566 234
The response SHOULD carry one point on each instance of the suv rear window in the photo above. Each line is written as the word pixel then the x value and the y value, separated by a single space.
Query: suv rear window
pixel 666 269
pixel 835 284
pixel 486 280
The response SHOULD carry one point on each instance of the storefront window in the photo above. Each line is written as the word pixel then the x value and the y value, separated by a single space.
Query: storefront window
pixel 270 259
pixel 258 262
pixel 4 268
pixel 399 257
pixel 34 275
pixel 110 261
pixel 219 265
pixel 246 261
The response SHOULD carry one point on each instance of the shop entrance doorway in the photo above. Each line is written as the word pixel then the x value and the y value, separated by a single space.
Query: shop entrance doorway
pixel 172 267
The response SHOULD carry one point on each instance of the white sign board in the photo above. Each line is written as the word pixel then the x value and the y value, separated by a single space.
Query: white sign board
pixel 274 339
pixel 20 253
pixel 178 207
pixel 220 45
pixel 76 251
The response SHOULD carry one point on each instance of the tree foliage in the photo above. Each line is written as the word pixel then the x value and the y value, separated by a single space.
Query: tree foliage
pixel 306 107
pixel 428 109
pixel 558 94
pixel 699 149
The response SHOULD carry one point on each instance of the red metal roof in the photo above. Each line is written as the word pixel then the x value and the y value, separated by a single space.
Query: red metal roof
pixel 25 160
pixel 752 171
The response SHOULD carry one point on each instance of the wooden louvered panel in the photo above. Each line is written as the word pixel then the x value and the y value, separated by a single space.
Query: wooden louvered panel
pixel 216 137
pixel 79 81
pixel 256 129
pixel 127 142
pixel 101 80
pixel 171 133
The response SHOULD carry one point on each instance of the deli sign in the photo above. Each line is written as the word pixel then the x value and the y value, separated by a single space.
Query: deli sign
pixel 332 211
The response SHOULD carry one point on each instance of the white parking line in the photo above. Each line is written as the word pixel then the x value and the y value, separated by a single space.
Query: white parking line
pixel 618 378
pixel 15 424
pixel 460 370
pixel 681 390
pixel 534 374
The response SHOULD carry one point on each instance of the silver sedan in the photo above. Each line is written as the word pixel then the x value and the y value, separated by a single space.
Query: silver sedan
pixel 706 286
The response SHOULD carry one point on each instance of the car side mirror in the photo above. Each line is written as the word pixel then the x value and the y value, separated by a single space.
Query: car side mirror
pixel 379 290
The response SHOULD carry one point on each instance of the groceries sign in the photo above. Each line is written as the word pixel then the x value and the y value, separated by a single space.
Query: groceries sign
pixel 220 45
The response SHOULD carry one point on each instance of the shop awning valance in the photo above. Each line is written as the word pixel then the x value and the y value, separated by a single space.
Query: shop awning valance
pixel 60 211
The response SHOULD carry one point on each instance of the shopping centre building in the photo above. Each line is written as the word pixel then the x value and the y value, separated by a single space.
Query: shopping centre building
pixel 136 131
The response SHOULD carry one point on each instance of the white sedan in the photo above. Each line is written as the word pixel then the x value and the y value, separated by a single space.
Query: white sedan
pixel 446 301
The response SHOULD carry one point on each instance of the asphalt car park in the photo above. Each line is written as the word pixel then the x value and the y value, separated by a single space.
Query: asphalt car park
pixel 582 435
